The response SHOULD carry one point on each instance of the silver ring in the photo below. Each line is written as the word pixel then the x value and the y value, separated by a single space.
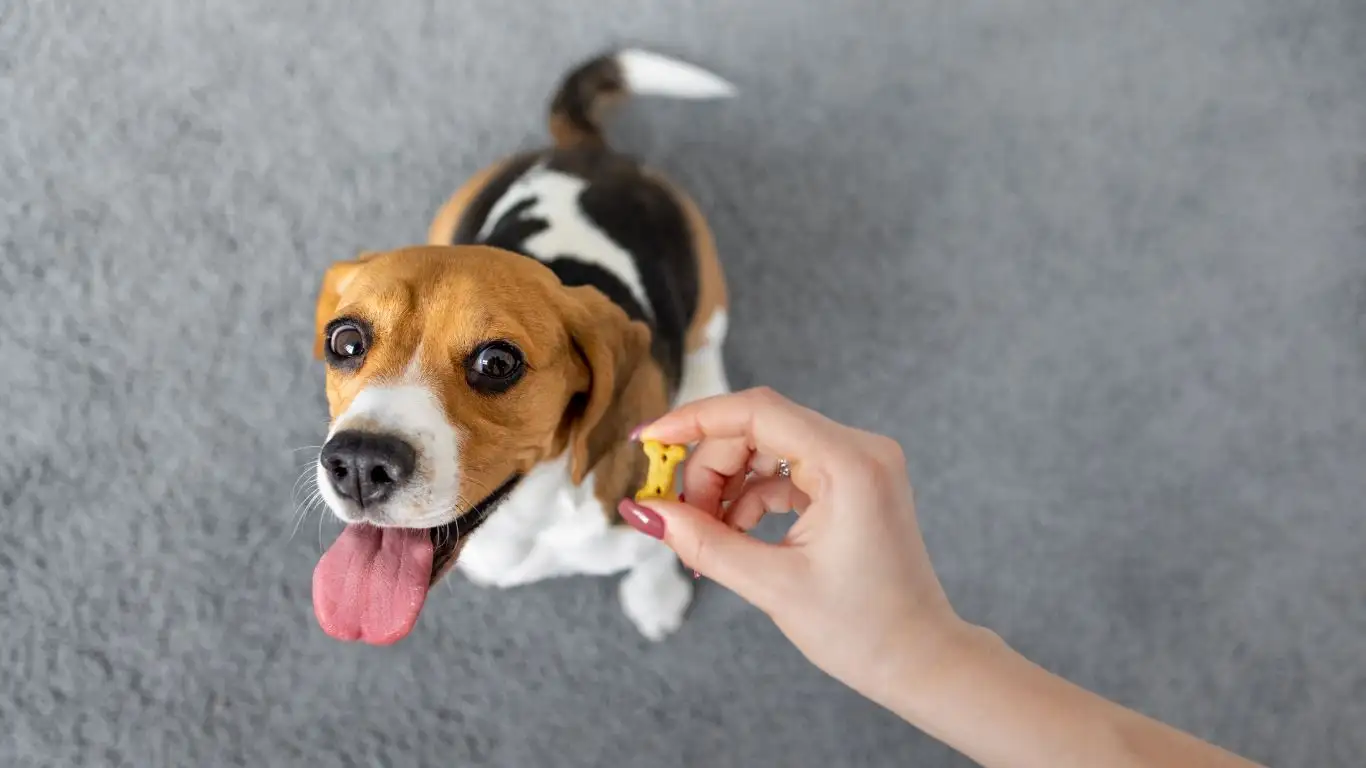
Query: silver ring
pixel 784 469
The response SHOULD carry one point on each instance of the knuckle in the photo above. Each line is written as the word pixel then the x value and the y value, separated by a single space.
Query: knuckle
pixel 889 452
pixel 765 395
pixel 876 458
pixel 854 467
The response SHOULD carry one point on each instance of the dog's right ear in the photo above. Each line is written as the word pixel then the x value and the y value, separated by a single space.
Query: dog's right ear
pixel 335 280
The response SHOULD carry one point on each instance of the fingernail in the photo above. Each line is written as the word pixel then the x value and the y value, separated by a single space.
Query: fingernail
pixel 643 519
pixel 639 430
pixel 696 575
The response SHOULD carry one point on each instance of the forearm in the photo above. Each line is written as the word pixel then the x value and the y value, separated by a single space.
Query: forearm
pixel 1000 709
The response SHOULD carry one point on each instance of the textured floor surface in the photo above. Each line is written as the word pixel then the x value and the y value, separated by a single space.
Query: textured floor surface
pixel 1100 265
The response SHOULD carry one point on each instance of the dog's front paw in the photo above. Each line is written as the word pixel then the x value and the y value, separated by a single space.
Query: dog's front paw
pixel 655 598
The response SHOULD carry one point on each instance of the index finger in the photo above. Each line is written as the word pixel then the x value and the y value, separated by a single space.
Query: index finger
pixel 768 421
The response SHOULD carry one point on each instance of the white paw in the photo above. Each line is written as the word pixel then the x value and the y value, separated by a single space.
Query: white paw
pixel 655 599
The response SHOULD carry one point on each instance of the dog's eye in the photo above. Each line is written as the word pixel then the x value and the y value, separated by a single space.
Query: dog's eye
pixel 494 367
pixel 346 342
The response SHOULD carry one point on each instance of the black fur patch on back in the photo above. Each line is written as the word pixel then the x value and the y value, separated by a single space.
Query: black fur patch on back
pixel 467 229
pixel 639 214
pixel 573 272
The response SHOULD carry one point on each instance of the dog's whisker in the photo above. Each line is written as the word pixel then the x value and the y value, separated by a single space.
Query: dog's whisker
pixel 305 509
pixel 453 531
pixel 463 508
pixel 299 518
pixel 478 486
pixel 304 480
pixel 299 509
pixel 321 549
pixel 304 476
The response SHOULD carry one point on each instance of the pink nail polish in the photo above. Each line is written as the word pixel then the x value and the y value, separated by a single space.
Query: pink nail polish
pixel 645 520
pixel 635 433
pixel 696 575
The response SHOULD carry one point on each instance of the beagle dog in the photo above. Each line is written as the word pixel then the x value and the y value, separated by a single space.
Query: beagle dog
pixel 482 387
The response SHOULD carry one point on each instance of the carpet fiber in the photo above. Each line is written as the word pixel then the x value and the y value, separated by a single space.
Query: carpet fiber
pixel 1100 266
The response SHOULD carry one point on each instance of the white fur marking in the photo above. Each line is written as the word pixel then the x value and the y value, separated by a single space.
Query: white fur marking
pixel 704 370
pixel 411 411
pixel 506 541
pixel 570 232
pixel 653 74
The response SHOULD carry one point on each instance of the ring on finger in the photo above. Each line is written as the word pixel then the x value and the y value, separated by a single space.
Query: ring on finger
pixel 769 466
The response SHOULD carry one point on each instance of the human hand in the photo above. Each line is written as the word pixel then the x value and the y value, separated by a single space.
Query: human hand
pixel 851 585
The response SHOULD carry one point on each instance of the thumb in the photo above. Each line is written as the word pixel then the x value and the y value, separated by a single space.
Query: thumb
pixel 751 568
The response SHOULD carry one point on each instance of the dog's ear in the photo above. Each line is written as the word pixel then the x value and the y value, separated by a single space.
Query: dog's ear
pixel 335 280
pixel 624 386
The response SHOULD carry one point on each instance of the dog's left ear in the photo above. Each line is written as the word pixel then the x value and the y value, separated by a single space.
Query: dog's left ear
pixel 624 387
pixel 335 280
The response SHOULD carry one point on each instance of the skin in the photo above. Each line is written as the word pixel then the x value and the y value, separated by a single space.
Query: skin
pixel 853 588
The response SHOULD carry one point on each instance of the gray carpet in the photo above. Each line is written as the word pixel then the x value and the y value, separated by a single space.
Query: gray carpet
pixel 1100 265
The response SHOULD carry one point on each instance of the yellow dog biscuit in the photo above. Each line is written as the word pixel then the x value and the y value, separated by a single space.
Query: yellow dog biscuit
pixel 659 478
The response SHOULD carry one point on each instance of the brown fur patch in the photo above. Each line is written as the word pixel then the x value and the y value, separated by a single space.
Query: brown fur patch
pixel 618 477
pixel 620 470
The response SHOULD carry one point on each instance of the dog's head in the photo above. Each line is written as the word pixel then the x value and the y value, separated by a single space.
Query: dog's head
pixel 451 372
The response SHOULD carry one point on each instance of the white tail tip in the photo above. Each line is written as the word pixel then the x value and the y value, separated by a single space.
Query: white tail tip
pixel 653 74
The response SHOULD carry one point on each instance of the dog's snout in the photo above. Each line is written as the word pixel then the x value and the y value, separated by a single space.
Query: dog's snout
pixel 365 467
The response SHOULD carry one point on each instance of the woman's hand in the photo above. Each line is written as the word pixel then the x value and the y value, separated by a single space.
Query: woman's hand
pixel 851 585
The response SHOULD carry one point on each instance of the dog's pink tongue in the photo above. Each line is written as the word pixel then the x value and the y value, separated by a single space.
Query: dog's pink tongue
pixel 371 583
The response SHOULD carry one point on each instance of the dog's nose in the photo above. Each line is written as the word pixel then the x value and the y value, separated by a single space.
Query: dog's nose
pixel 365 467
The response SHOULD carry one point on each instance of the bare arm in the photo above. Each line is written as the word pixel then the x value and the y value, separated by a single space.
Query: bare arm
pixel 1000 709
pixel 851 585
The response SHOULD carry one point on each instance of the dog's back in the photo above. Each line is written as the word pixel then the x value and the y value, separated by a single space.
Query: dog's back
pixel 597 217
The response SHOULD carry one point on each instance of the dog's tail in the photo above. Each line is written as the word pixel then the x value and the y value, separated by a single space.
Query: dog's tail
pixel 579 106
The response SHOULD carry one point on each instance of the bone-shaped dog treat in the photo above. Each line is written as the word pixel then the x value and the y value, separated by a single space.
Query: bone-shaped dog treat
pixel 659 478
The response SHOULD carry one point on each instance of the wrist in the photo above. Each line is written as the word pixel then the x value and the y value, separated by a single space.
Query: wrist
pixel 919 663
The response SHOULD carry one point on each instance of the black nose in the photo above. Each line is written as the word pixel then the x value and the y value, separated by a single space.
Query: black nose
pixel 365 467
